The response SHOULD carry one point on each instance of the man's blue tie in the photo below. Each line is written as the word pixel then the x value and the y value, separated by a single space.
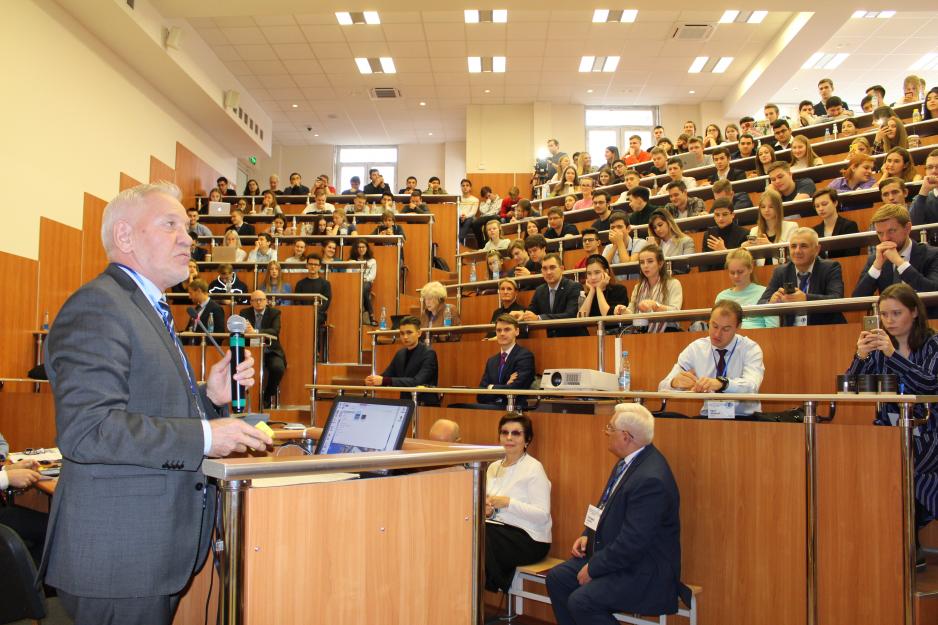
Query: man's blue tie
pixel 167 316
pixel 803 281
pixel 617 471
pixel 502 360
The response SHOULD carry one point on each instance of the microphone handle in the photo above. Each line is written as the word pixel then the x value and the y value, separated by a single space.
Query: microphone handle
pixel 238 399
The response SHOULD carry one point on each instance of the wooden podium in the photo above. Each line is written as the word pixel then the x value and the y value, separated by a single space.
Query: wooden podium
pixel 307 547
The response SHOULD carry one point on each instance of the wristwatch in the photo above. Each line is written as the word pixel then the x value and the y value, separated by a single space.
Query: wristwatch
pixel 724 382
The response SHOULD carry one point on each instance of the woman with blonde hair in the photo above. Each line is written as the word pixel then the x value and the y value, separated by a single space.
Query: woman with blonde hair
pixel 898 163
pixel 802 154
pixel 771 226
pixel 274 285
pixel 664 232
pixel 745 292
pixel 890 135
pixel 913 89
pixel 233 239
pixel 858 174
pixel 860 145
pixel 562 165
pixel 584 164
pixel 435 312
pixel 765 156
pixel 656 291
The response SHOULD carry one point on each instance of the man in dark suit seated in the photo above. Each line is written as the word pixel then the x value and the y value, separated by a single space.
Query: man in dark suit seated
pixel 725 235
pixel 806 278
pixel 264 320
pixel 209 311
pixel 628 558
pixel 296 186
pixel 511 368
pixel 414 365
pixel 897 257
pixel 557 299
pixel 238 224
pixel 925 205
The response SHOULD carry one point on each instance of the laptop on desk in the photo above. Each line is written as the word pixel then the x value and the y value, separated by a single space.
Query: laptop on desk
pixel 219 209
pixel 225 254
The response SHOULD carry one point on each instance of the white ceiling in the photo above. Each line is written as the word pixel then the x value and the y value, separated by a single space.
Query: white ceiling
pixel 288 57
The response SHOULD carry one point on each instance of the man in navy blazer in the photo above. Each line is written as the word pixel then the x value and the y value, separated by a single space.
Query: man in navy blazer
pixel 806 278
pixel 565 294
pixel 897 257
pixel 414 365
pixel 629 556
pixel 512 367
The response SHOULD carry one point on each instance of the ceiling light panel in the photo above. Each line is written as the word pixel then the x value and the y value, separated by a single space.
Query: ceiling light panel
pixel 869 15
pixel 722 64
pixel 602 16
pixel 698 64
pixel 607 64
pixel 491 16
pixel 346 18
pixel 383 65
pixel 756 17
pixel 729 16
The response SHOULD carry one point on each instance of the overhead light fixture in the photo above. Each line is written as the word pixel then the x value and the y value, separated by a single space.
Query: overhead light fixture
pixel 315 134
pixel 722 64
pixel 602 16
pixel 492 16
pixel 346 18
pixel 756 17
pixel 599 63
pixel 423 104
pixel 429 134
pixel 494 64
pixel 383 65
pixel 825 60
pixel 928 62
pixel 488 91
pixel 296 106
pixel 869 15
pixel 729 16
pixel 692 92
pixel 698 64
pixel 589 91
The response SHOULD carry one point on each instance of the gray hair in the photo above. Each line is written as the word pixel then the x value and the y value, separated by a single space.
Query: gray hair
pixel 433 289
pixel 636 420
pixel 127 202
pixel 808 233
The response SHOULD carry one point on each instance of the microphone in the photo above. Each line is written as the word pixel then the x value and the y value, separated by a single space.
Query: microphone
pixel 195 317
pixel 237 325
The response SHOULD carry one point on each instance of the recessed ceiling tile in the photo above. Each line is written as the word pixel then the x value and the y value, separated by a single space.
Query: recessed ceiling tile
pixel 291 93
pixel 245 36
pixel 321 91
pixel 652 31
pixel 400 17
pixel 239 68
pixel 531 49
pixel 451 78
pixel 919 45
pixel 256 53
pixel 284 34
pixel 250 81
pixel 303 66
pixel 529 31
pixel 409 66
pixel 445 32
pixel 420 92
pixel 200 23
pixel 486 48
pixel 319 33
pixel 403 32
pixel 227 53
pixel 260 94
pixel 289 51
pixel 486 32
pixel 441 49
pixel 213 37
pixel 567 31
pixel 315 18
pixel 338 66
pixel 368 49
pixel 281 81
pixel 407 49
pixel 415 79
pixel 266 67
pixel 442 65
pixel 347 79
pixel 336 50
pixel 525 64
pixel 308 80
pixel 434 17
pixel 274 20
pixel 363 32
pixel 241 21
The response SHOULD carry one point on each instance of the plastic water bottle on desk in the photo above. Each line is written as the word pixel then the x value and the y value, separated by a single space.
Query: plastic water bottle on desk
pixel 827 134
pixel 625 373
pixel 45 321
pixel 210 326
pixel 383 320
pixel 472 272
pixel 447 316
pixel 916 116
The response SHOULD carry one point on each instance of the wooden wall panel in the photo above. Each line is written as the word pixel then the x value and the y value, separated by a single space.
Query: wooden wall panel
pixel 344 317
pixel 416 255
pixel 127 182
pixel 502 182
pixel 161 171
pixel 27 419
pixel 18 315
pixel 93 258
pixel 445 226
pixel 59 275
pixel 193 175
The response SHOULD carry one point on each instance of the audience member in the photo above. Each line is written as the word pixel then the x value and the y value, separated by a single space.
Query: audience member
pixel 262 252
pixel 848 128
pixel 622 248
pixel 723 189
pixel 340 226
pixel 721 160
pixel 682 205
pixel 265 320
pixel 557 229
pixel 806 116
pixel 274 185
pixel 224 188
pixel 584 164
pixel 444 431
pixel 913 88
pixel 590 245
pixel 636 154
pixel 802 154
pixel 628 558
pixel 410 185
pixel 602 291
pixel 228 282
pixel 507 211
pixel 806 278
pixel 667 235
pixel 29 524
pixel 712 136
pixel 931 104
pixel 723 362
pixel 507 304
pixel 269 205
pixel 434 187
pixel 494 261
pixel 604 177
pixel 860 145
pixel 387 227
pixel 512 368
pixel 355 184
pixel 238 224
pixel 467 207
pixel 493 236
pixel 731 132
pixel 925 205
pixel 676 173
pixel 535 248
pixel 377 185
pixel 557 298
pixel 320 205
pixel 787 187
pixel 898 163
pixel 601 206
pixel 695 156
pixel 416 204
pixel 894 191
pixel 361 251
pixel 825 88
pixel 747 125
pixel 209 312
pixel 200 230
pixel 296 186
pixel 618 172
pixel 415 364
pixel 771 225
pixel 656 291
pixel 274 285
pixel 298 256
pixel 612 155
pixel 745 148
pixel 640 210
pixel 782 132
pixel 517 505
pixel 745 292
pixel 586 188
pixel 233 240
pixel 891 134
pixel 313 284
pixel 858 174
pixel 765 156
pixel 826 204
pixel 726 234
pixel 435 312
pixel 898 258
pixel 659 162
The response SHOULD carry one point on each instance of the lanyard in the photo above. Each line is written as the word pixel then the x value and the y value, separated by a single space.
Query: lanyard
pixel 726 362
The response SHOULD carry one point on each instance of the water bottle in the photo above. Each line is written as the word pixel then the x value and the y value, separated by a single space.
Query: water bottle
pixel 834 134
pixel 294 225
pixel 211 324
pixel 383 319
pixel 495 274
pixel 343 230
pixel 353 220
pixel 916 116
pixel 447 316
pixel 472 272
pixel 875 101
pixel 625 373
pixel 827 134
pixel 45 321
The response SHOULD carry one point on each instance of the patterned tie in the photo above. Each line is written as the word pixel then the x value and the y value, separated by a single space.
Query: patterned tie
pixel 617 472
pixel 502 360
pixel 167 316
pixel 721 364
pixel 803 281
pixel 552 292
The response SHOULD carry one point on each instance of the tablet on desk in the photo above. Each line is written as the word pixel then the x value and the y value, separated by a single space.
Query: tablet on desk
pixel 362 424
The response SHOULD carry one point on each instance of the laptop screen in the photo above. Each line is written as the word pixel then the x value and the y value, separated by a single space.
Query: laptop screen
pixel 359 424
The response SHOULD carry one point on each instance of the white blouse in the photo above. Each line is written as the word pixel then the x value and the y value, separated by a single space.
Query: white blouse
pixel 526 485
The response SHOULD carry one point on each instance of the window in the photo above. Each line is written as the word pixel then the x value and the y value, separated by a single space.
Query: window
pixel 357 161
pixel 614 126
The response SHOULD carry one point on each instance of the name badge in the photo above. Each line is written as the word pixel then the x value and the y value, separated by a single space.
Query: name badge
pixel 592 517
pixel 801 320
pixel 721 409
pixel 255 342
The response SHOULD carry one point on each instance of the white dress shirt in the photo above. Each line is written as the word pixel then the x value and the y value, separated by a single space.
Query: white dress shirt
pixel 905 253
pixel 744 368
pixel 526 485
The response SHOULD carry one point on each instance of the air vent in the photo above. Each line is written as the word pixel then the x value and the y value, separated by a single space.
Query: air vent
pixel 692 32
pixel 382 93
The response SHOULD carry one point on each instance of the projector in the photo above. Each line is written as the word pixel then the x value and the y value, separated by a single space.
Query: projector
pixel 578 380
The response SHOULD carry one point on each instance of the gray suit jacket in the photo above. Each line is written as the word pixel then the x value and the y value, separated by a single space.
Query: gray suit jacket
pixel 132 512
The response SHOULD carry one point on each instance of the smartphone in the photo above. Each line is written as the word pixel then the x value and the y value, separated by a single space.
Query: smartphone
pixel 870 323
pixel 790 287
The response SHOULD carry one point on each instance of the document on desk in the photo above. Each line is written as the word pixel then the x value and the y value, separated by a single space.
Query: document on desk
pixel 51 454
pixel 293 480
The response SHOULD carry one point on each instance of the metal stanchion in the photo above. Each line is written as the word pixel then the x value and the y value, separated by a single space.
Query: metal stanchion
pixel 231 570
pixel 202 345
pixel 416 420
pixel 478 541
pixel 510 407
pixel 907 424
pixel 374 352
pixel 810 424
pixel 316 304
pixel 600 349
pixel 260 377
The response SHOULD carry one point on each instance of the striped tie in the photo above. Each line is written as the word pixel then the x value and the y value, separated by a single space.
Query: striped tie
pixel 167 316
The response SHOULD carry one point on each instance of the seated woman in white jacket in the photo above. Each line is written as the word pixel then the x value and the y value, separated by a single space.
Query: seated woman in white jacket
pixel 517 506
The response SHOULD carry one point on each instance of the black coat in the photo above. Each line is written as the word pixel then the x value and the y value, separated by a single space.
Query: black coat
pixel 566 302
pixel 841 226
pixel 270 324
pixel 826 283
pixel 212 311
pixel 921 276
pixel 417 368
pixel 520 361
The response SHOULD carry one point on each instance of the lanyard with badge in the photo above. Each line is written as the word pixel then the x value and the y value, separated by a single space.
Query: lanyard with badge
pixel 593 513
pixel 722 409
